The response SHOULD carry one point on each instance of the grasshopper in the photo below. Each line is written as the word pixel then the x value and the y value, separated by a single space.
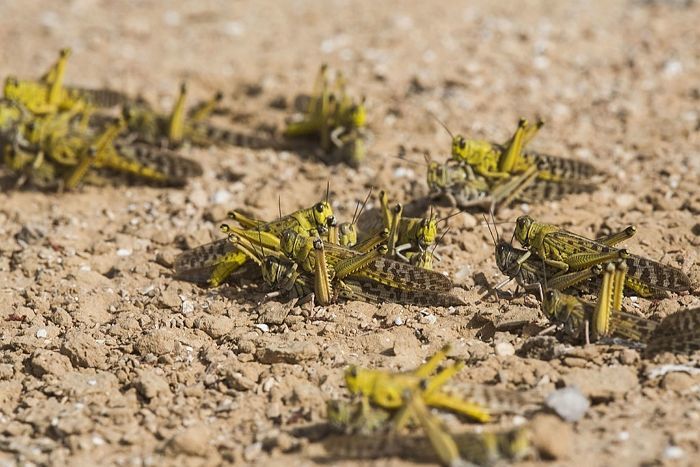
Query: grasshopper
pixel 501 161
pixel 360 274
pixel 466 189
pixel 180 126
pixel 582 319
pixel 408 283
pixel 49 95
pixel 214 262
pixel 481 172
pixel 533 274
pixel 678 332
pixel 566 251
pixel 369 436
pixel 283 274
pixel 335 119
pixel 385 389
pixel 57 151
pixel 410 238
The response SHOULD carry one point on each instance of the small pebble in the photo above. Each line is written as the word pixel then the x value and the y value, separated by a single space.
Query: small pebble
pixel 263 327
pixel 569 403
pixel 673 453
pixel 252 451
pixel 428 319
pixel 221 197
pixel 123 252
pixel 504 349
pixel 42 333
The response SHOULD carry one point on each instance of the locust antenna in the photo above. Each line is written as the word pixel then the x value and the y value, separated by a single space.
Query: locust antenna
pixel 357 214
pixel 279 206
pixel 450 216
pixel 439 240
pixel 490 231
pixel 495 227
pixel 328 190
pixel 442 124
pixel 410 162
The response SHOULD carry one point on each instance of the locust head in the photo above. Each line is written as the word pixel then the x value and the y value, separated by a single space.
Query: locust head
pixel 358 380
pixel 506 257
pixel 523 229
pixel 348 234
pixel 551 304
pixel 322 215
pixel 427 232
pixel 11 88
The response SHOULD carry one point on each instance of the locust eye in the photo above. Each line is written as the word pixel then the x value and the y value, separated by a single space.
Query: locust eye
pixel 319 207
pixel 549 295
pixel 462 143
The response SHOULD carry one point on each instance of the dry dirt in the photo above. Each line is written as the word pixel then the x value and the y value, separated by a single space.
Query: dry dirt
pixel 106 359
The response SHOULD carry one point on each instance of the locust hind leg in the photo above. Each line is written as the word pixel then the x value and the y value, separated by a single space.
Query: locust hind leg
pixel 93 154
pixel 587 259
pixel 176 122
pixel 617 237
pixel 600 322
pixel 511 156
pixel 54 77
pixel 397 212
pixel 205 109
pixel 414 408
pixel 507 191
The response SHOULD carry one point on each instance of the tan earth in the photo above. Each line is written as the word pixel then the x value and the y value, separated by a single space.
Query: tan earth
pixel 106 359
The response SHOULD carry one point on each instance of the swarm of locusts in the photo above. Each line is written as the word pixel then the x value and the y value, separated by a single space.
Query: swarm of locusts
pixel 54 136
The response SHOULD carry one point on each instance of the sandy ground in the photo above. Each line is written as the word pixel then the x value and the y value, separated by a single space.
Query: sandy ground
pixel 105 358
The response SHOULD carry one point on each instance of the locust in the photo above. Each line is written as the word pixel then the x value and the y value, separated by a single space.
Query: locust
pixel 56 151
pixel 410 238
pixel 501 161
pixel 363 273
pixel 335 119
pixel 49 94
pixel 464 188
pixel 409 395
pixel 482 173
pixel 283 275
pixel 590 322
pixel 370 435
pixel 534 275
pixel 180 126
pixel 385 389
pixel 568 251
pixel 410 284
pixel 214 262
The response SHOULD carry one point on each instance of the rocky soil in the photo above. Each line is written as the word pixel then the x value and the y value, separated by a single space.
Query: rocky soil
pixel 105 358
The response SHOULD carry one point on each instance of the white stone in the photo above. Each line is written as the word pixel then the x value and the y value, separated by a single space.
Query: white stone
pixel 504 349
pixel 569 403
